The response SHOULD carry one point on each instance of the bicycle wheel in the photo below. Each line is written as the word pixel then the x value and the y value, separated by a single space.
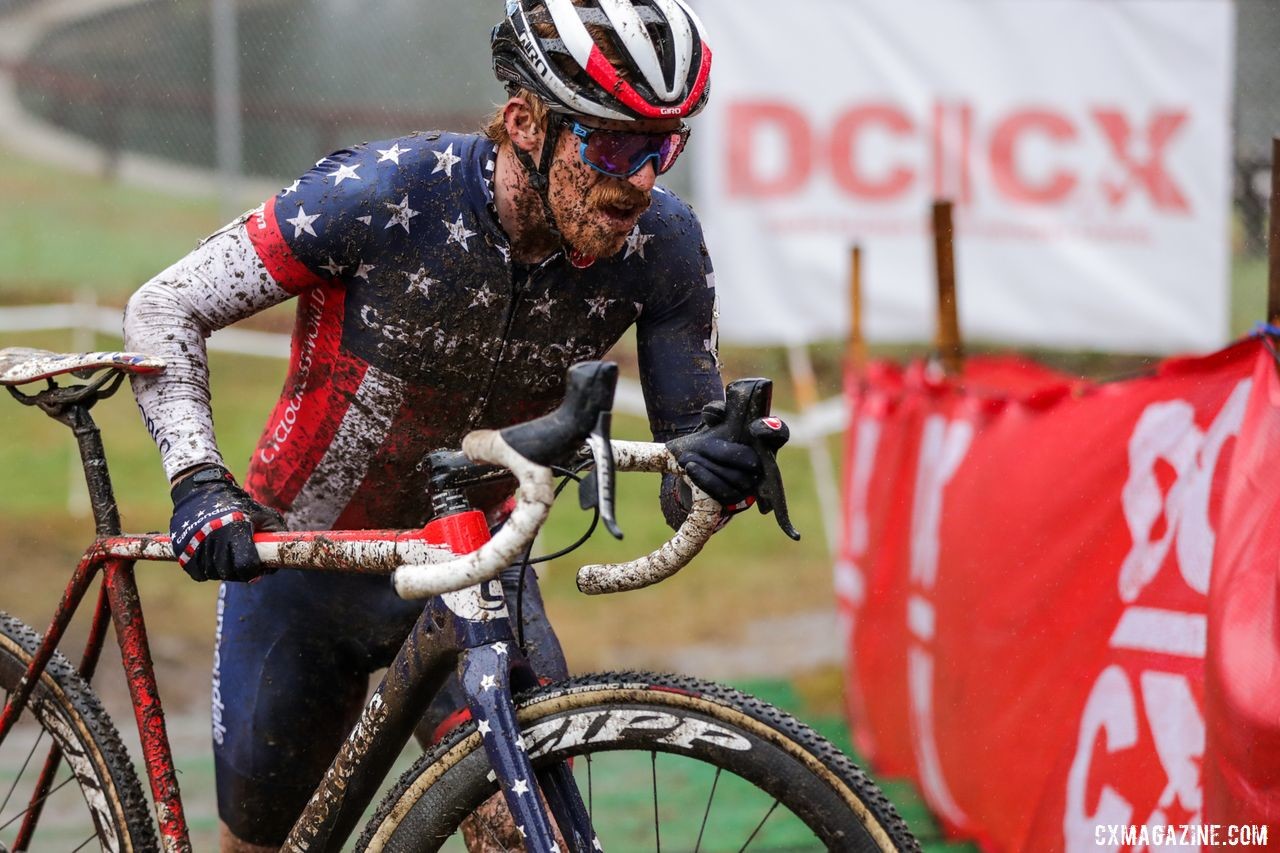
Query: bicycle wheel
pixel 95 795
pixel 663 762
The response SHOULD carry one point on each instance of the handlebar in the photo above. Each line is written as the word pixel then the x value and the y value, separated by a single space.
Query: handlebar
pixel 533 501
pixel 422 569
pixel 703 520
pixel 534 497
pixel 527 450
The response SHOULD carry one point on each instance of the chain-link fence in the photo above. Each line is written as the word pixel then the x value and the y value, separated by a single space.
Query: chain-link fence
pixel 313 75
pixel 318 74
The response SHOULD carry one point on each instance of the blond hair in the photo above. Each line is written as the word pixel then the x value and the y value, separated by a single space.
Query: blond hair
pixel 496 127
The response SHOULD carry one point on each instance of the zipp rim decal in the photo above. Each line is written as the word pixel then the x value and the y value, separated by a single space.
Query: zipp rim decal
pixel 621 693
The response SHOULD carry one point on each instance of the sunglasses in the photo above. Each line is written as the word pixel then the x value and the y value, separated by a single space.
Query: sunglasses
pixel 620 154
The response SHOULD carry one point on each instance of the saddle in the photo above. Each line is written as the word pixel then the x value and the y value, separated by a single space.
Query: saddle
pixel 20 365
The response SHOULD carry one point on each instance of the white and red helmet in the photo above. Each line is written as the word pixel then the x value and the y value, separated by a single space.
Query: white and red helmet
pixel 661 44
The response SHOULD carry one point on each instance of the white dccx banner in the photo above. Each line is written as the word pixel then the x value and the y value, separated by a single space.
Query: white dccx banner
pixel 1085 143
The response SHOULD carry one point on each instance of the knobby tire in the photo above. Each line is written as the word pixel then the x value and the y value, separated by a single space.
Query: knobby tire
pixel 716 738
pixel 95 792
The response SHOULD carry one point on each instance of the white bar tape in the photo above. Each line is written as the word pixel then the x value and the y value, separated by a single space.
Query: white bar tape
pixel 422 570
pixel 643 456
pixel 533 503
pixel 703 521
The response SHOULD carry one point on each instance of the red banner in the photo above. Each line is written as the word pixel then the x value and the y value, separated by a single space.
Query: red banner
pixel 1026 580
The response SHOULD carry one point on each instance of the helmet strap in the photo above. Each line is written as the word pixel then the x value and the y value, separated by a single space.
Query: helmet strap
pixel 539 174
pixel 539 177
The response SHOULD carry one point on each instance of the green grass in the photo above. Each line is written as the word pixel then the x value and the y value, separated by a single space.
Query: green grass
pixel 622 806
pixel 38 455
pixel 65 232
pixel 1248 292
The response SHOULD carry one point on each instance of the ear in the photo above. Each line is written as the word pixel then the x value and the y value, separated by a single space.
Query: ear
pixel 525 133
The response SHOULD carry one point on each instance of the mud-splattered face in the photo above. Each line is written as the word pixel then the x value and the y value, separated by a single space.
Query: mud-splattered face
pixel 596 212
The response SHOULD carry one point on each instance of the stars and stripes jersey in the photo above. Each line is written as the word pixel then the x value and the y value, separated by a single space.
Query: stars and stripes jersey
pixel 413 326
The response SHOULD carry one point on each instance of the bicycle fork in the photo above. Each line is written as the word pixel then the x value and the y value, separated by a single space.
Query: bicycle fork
pixel 487 674
pixel 491 664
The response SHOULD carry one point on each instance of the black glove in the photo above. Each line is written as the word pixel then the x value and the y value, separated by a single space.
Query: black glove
pixel 212 527
pixel 728 471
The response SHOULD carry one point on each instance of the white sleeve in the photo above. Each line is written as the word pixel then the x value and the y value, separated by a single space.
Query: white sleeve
pixel 170 316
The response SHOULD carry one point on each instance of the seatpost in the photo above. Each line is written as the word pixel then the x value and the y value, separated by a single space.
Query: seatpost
pixel 106 515
pixel 70 406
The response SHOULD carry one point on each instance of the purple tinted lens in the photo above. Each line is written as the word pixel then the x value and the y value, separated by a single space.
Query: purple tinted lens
pixel 669 151
pixel 619 153
pixel 622 154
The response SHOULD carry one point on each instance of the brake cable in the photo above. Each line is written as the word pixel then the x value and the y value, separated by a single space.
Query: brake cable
pixel 526 563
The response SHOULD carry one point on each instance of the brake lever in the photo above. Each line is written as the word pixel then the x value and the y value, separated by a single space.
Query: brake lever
pixel 767 437
pixel 597 488
pixel 745 419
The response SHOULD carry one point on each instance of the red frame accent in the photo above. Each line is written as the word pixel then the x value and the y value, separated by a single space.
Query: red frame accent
pixel 71 596
pixel 463 533
pixel 450 723
pixel 135 652
pixel 119 597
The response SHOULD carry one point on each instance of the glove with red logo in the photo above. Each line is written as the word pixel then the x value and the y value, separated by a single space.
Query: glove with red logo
pixel 727 470
pixel 212 527
pixel 732 456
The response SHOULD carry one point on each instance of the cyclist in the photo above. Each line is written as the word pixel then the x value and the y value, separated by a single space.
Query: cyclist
pixel 445 282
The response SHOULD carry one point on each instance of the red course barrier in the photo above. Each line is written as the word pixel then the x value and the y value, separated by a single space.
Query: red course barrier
pixel 1035 571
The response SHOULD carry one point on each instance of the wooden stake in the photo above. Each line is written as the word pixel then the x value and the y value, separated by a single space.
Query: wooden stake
pixel 950 348
pixel 805 383
pixel 857 351
pixel 1273 242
